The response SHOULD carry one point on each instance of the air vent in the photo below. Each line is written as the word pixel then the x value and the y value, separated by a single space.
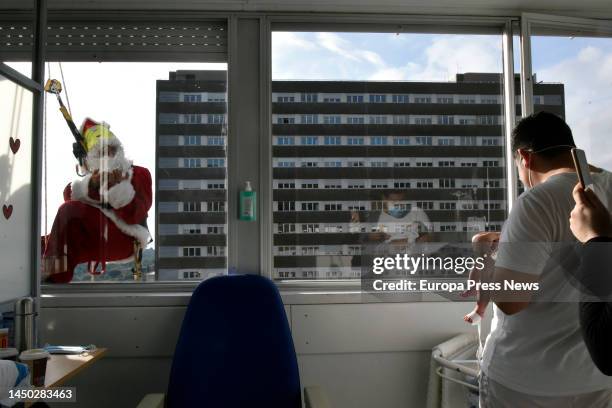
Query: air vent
pixel 140 41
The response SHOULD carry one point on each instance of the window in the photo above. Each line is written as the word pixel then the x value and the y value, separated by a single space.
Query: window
pixel 309 97
pixel 572 86
pixel 355 140
pixel 310 206
pixel 285 120
pixel 285 99
pixel 285 185
pixel 192 206
pixel 446 120
pixel 332 140
pixel 425 205
pixel 378 98
pixel 310 140
pixel 192 98
pixel 285 140
pixel 367 157
pixel 447 183
pixel 424 140
pixel 192 251
pixel 422 99
pixel 401 141
pixel 490 141
pixel 192 118
pixel 215 141
pixel 378 120
pixel 401 98
pixel 424 184
pixel 333 207
pixel 309 119
pixel 378 140
pixel 355 120
pixel 192 140
pixel 331 119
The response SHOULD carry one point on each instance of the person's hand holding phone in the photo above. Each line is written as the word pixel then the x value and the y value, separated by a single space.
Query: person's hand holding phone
pixel 589 218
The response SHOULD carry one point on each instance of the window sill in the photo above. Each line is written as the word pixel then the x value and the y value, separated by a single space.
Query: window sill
pixel 179 294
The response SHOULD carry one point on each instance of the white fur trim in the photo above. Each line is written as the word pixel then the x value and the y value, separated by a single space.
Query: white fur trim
pixel 80 189
pixel 133 230
pixel 120 194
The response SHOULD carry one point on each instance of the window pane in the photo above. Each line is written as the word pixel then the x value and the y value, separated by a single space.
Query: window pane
pixel 574 82
pixel 417 152
pixel 171 121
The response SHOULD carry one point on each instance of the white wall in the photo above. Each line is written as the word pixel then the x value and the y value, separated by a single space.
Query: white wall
pixel 365 355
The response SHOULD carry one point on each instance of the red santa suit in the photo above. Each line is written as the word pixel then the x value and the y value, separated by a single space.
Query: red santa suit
pixel 100 226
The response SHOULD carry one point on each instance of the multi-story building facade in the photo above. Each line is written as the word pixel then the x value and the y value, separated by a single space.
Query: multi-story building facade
pixel 191 195
pixel 339 146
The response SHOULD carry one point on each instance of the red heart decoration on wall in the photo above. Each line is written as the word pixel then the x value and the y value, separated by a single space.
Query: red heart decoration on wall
pixel 14 144
pixel 7 210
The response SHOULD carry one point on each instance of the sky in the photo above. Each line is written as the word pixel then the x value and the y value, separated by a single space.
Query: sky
pixel 123 94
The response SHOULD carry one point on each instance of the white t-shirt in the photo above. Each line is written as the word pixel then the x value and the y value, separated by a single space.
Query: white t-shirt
pixel 540 350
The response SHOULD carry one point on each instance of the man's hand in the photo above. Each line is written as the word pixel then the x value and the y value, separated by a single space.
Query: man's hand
pixel 589 218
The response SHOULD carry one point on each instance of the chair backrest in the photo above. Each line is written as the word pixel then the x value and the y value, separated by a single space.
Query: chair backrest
pixel 235 348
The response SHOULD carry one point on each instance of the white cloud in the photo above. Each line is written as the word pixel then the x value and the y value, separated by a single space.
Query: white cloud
pixel 587 79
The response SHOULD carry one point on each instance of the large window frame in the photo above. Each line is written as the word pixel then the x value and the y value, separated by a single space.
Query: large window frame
pixel 505 26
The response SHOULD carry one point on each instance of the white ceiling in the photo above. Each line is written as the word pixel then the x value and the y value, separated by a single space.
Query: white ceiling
pixel 586 8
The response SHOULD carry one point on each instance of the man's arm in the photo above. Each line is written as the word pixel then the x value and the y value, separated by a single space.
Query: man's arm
pixel 512 301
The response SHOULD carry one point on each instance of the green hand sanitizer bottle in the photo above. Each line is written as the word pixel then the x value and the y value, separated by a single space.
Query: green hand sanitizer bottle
pixel 248 203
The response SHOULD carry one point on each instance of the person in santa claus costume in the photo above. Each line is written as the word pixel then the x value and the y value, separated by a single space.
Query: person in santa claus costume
pixel 103 212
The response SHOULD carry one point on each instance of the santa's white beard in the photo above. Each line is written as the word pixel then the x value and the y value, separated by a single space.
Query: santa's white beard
pixel 105 163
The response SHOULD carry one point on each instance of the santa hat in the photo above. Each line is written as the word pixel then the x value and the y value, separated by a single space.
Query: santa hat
pixel 97 135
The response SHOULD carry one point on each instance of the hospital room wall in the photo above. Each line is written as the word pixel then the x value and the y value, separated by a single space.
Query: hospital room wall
pixel 364 355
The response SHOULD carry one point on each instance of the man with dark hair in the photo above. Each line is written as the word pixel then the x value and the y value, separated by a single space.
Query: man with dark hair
pixel 535 355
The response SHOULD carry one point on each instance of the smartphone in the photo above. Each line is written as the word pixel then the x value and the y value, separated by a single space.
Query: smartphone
pixel 582 168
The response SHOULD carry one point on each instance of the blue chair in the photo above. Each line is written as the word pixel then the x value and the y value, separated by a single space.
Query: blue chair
pixel 235 351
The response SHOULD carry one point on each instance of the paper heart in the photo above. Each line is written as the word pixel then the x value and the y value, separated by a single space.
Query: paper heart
pixel 14 144
pixel 7 210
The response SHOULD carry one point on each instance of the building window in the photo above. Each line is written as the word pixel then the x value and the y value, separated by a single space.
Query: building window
pixel 285 140
pixel 355 141
pixel 401 140
pixel 332 140
pixel 424 140
pixel 378 98
pixel 331 120
pixel 422 121
pixel 309 119
pixel 378 140
pixel 401 98
pixel 192 206
pixel 355 120
pixel 309 97
pixel 285 120
pixel 309 140
pixel 447 183
pixel 378 120
pixel 354 98
pixel 192 251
